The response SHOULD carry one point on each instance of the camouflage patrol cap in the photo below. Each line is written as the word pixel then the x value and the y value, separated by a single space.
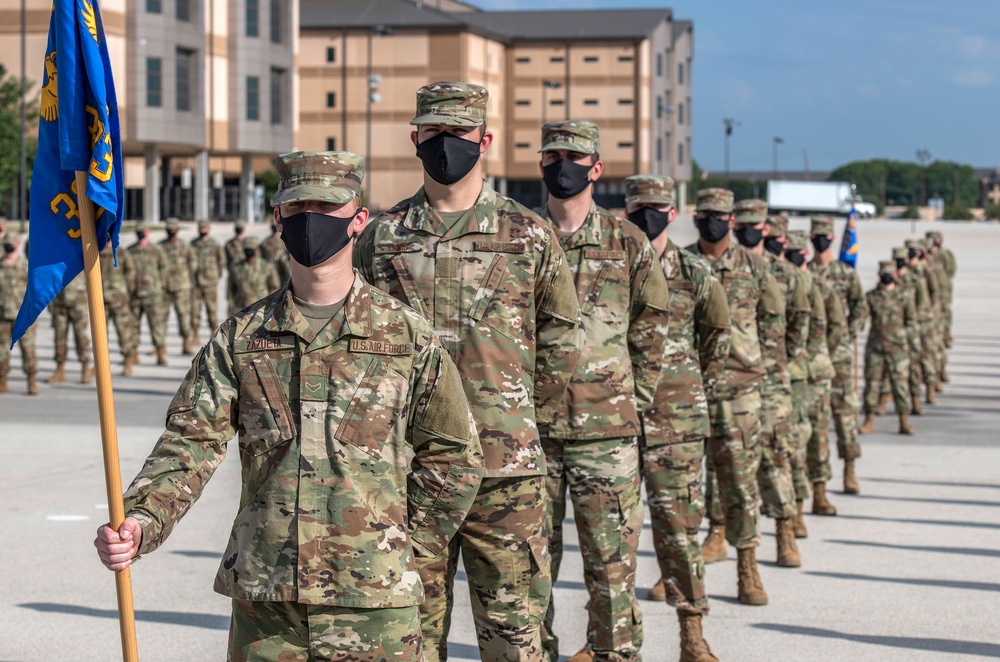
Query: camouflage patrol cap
pixel 778 225
pixel 715 199
pixel 797 240
pixel 173 224
pixel 13 238
pixel 934 236
pixel 204 223
pixel 900 252
pixel 821 225
pixel 919 244
pixel 750 212
pixel 571 135
pixel 886 267
pixel 649 189
pixel 240 225
pixel 323 176
pixel 455 104
pixel 251 242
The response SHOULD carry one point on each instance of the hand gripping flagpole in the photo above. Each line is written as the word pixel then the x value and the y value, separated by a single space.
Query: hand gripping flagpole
pixel 106 407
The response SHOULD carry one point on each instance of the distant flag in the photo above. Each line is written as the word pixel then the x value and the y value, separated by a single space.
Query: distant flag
pixel 78 129
pixel 849 243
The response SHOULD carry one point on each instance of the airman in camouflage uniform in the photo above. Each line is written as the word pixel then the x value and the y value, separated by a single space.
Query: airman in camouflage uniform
pixel 147 299
pixel 940 290
pixel 591 447
pixel 358 453
pixel 893 334
pixel 177 279
pixel 234 247
pixel 13 282
pixel 931 343
pixel 916 290
pixel 209 263
pixel 494 282
pixel 676 425
pixel 69 307
pixel 947 260
pixel 735 400
pixel 118 283
pixel 843 398
pixel 253 278
pixel 273 250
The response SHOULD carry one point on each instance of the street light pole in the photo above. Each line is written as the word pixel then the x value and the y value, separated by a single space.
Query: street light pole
pixel 729 123
pixel 546 86
pixel 372 97
pixel 777 141
pixel 23 191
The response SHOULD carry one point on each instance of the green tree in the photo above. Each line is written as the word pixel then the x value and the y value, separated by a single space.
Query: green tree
pixel 10 137
pixel 906 183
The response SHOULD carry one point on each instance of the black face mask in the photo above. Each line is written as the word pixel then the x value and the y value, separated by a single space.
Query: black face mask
pixel 565 179
pixel 274 229
pixel 774 246
pixel 749 236
pixel 900 263
pixel 249 252
pixel 140 235
pixel 887 279
pixel 203 234
pixel 798 258
pixel 171 234
pixel 9 248
pixel 447 158
pixel 651 221
pixel 313 238
pixel 712 228
pixel 913 253
pixel 821 242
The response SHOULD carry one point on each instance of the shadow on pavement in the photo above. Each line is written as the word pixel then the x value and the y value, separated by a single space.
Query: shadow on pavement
pixel 904 481
pixel 208 621
pixel 462 651
pixel 197 554
pixel 915 581
pixel 576 548
pixel 950 502
pixel 915 643
pixel 965 551
pixel 933 522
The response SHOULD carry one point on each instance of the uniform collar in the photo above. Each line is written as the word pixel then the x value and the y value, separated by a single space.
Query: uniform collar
pixel 421 217
pixel 671 260
pixel 355 316
pixel 588 234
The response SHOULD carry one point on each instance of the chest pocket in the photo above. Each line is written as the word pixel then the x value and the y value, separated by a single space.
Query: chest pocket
pixel 266 420
pixel 745 293
pixel 495 304
pixel 607 273
pixel 682 303
pixel 375 409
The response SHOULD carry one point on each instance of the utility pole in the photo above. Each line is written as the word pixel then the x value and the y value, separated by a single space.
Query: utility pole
pixel 546 86
pixel 22 204
pixel 777 141
pixel 923 157
pixel 729 123
pixel 373 98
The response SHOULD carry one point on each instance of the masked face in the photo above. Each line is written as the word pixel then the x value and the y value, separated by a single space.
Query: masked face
pixel 140 234
pixel 651 221
pixel 798 258
pixel 900 263
pixel 171 234
pixel 887 279
pixel 712 228
pixel 448 158
pixel 748 235
pixel 566 179
pixel 821 242
pixel 313 238
pixel 773 245
pixel 249 252
pixel 9 248
pixel 202 233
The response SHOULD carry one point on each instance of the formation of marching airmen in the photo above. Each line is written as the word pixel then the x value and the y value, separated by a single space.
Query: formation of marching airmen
pixel 432 383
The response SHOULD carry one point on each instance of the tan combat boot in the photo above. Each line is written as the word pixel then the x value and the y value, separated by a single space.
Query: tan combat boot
pixel 800 521
pixel 3 382
pixel 883 404
pixel 850 478
pixel 127 364
pixel 938 387
pixel 917 410
pixel 788 551
pixel 944 377
pixel 714 549
pixel 932 395
pixel 161 356
pixel 665 591
pixel 59 376
pixel 869 425
pixel 904 424
pixel 32 385
pixel 694 648
pixel 750 588
pixel 188 347
pixel 585 654
pixel 86 373
pixel 821 506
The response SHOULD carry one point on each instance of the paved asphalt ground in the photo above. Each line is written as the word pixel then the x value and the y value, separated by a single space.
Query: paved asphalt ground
pixel 909 570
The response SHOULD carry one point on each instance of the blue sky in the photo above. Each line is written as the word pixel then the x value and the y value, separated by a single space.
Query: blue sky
pixel 844 80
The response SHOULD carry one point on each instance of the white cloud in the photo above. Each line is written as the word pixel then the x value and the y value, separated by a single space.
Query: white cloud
pixel 973 78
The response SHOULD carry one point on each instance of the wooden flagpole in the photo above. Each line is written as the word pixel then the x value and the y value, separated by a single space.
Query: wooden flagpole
pixel 106 406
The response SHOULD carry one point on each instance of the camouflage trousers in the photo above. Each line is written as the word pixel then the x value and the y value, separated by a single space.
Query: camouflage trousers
pixel 290 632
pixel 897 364
pixel 154 310
pixel 916 379
pixel 602 477
pixel 505 552
pixel 117 310
pixel 801 431
pixel 774 477
pixel 818 448
pixel 29 357
pixel 673 475
pixel 62 318
pixel 844 407
pixel 734 456
pixel 209 298
pixel 929 364
pixel 180 301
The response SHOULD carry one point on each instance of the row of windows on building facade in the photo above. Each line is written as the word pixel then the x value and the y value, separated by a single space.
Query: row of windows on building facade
pixel 184 10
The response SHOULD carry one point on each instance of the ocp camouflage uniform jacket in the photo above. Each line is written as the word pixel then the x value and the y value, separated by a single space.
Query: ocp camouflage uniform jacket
pixel 782 350
pixel 234 253
pixel 916 290
pixel 13 283
pixel 250 281
pixel 755 305
pixel 847 284
pixel 623 305
pixel 118 280
pixel 332 507
pixel 209 261
pixel 150 267
pixel 695 352
pixel 501 298
pixel 273 250
pixel 181 264
pixel 894 321
pixel 816 358
pixel 831 334
pixel 74 295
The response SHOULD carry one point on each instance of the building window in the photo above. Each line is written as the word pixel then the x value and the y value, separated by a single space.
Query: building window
pixel 659 107
pixel 625 145
pixel 522 60
pixel 183 10
pixel 590 102
pixel 154 82
pixel 624 58
pixel 659 64
pixel 659 149
pixel 557 58
pixel 331 144
pixel 331 99
pixel 185 60
pixel 522 102
pixel 154 7
pixel 680 113
pixel 624 102
pixel 680 73
pixel 680 154
pixel 277 95
pixel 253 18
pixel 522 145
pixel 590 58
pixel 277 20
pixel 331 54
pixel 253 98
pixel 556 102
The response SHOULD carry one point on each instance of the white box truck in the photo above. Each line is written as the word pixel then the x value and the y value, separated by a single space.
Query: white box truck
pixel 815 198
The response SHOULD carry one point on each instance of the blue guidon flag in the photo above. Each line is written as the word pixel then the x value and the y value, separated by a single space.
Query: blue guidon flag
pixel 78 129
pixel 849 242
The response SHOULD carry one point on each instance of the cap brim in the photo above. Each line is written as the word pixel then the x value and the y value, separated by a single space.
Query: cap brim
pixel 647 199
pixel 568 146
pixel 448 120
pixel 713 208
pixel 750 219
pixel 334 194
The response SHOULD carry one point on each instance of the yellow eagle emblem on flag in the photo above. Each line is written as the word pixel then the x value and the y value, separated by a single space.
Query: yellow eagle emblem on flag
pixel 90 19
pixel 49 103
